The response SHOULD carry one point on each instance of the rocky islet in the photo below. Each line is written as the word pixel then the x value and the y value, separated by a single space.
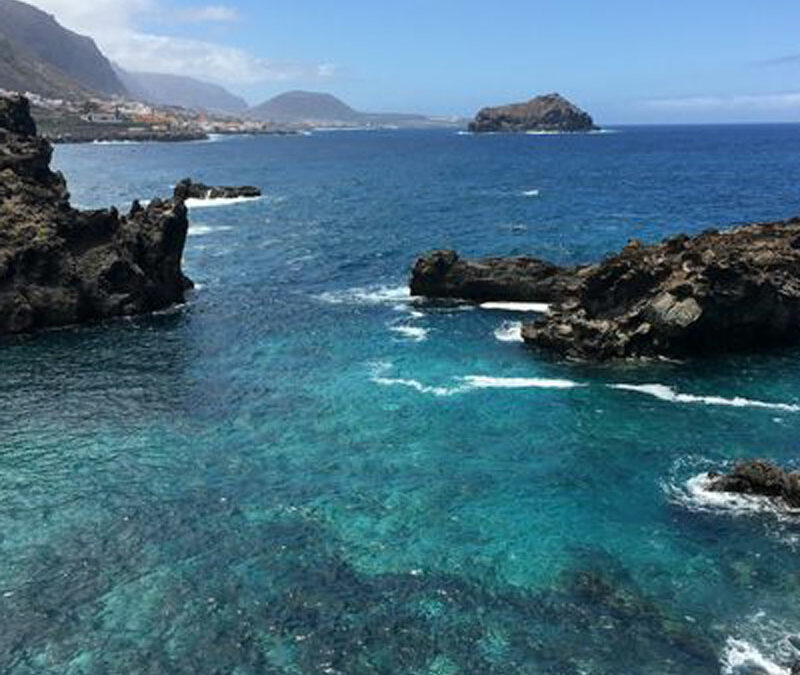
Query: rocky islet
pixel 549 113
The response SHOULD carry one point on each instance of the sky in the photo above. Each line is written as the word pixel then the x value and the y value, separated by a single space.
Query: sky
pixel 624 61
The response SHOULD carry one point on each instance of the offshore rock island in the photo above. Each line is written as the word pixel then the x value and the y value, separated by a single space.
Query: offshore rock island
pixel 730 291
pixel 549 113
pixel 61 266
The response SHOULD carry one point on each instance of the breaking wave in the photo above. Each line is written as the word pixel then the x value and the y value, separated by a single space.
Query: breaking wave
pixel 509 331
pixel 194 203
pixel 468 383
pixel 665 393
pixel 538 307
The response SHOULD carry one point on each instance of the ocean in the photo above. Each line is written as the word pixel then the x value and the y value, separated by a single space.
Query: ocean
pixel 305 471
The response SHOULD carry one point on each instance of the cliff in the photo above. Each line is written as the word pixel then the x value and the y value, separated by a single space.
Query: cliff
pixel 61 266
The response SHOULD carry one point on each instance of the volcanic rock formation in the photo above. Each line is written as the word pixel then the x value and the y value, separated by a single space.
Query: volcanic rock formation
pixel 551 112
pixel 737 290
pixel 187 189
pixel 443 274
pixel 62 266
pixel 717 292
pixel 755 477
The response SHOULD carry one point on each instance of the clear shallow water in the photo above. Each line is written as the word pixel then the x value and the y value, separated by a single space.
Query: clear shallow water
pixel 301 471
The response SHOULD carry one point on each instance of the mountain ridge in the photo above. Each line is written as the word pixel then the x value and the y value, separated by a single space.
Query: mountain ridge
pixel 38 36
pixel 180 90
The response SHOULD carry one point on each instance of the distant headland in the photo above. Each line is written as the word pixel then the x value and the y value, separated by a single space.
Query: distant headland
pixel 548 113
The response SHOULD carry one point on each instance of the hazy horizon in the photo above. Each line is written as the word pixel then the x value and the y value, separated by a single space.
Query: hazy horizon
pixel 715 63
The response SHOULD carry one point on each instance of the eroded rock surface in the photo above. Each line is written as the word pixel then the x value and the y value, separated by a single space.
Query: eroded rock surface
pixel 62 266
pixel 443 274
pixel 717 292
pixel 756 477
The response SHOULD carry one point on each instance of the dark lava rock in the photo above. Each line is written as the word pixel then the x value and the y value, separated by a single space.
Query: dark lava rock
pixel 187 189
pixel 551 112
pixel 717 292
pixel 62 266
pixel 755 477
pixel 443 274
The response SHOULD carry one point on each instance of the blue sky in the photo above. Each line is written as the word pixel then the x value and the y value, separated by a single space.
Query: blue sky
pixel 623 61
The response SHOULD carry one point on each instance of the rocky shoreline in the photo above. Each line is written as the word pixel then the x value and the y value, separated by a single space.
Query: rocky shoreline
pixel 731 291
pixel 444 274
pixel 125 136
pixel 61 266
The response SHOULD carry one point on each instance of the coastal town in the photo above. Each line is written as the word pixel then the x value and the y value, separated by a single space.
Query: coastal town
pixel 75 120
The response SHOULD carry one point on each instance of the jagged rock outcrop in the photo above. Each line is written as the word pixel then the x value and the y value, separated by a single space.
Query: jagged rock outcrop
pixel 755 477
pixel 719 291
pixel 551 112
pixel 187 189
pixel 61 266
pixel 443 274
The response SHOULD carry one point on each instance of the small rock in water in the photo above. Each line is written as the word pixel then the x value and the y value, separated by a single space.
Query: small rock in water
pixel 187 189
pixel 756 477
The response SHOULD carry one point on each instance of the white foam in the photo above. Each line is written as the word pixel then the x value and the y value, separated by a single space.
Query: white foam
pixel 741 658
pixel 697 495
pixel 416 333
pixel 193 203
pixel 468 383
pixel 538 307
pixel 379 377
pixel 375 295
pixel 665 393
pixel 200 230
pixel 120 142
pixel 531 193
pixel 509 331
pixel 486 382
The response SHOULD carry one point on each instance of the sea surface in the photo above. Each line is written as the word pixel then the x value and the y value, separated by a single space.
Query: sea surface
pixel 305 471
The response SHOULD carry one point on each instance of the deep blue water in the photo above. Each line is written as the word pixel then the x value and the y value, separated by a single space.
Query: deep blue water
pixel 302 471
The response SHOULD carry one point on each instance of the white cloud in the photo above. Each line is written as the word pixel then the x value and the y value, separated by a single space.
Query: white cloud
pixel 206 60
pixel 114 24
pixel 208 13
pixel 787 101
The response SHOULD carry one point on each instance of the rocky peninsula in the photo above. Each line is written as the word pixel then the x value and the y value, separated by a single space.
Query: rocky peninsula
pixel 737 290
pixel 444 274
pixel 61 266
pixel 548 113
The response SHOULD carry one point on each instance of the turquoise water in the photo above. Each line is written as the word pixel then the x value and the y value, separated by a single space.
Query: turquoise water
pixel 305 471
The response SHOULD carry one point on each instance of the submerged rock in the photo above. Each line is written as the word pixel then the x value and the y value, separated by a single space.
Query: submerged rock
pixel 755 477
pixel 443 274
pixel 719 291
pixel 551 112
pixel 62 266
pixel 187 189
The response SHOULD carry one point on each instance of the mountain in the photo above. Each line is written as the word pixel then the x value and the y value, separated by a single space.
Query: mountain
pixel 186 92
pixel 39 44
pixel 308 107
pixel 305 106
pixel 21 71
